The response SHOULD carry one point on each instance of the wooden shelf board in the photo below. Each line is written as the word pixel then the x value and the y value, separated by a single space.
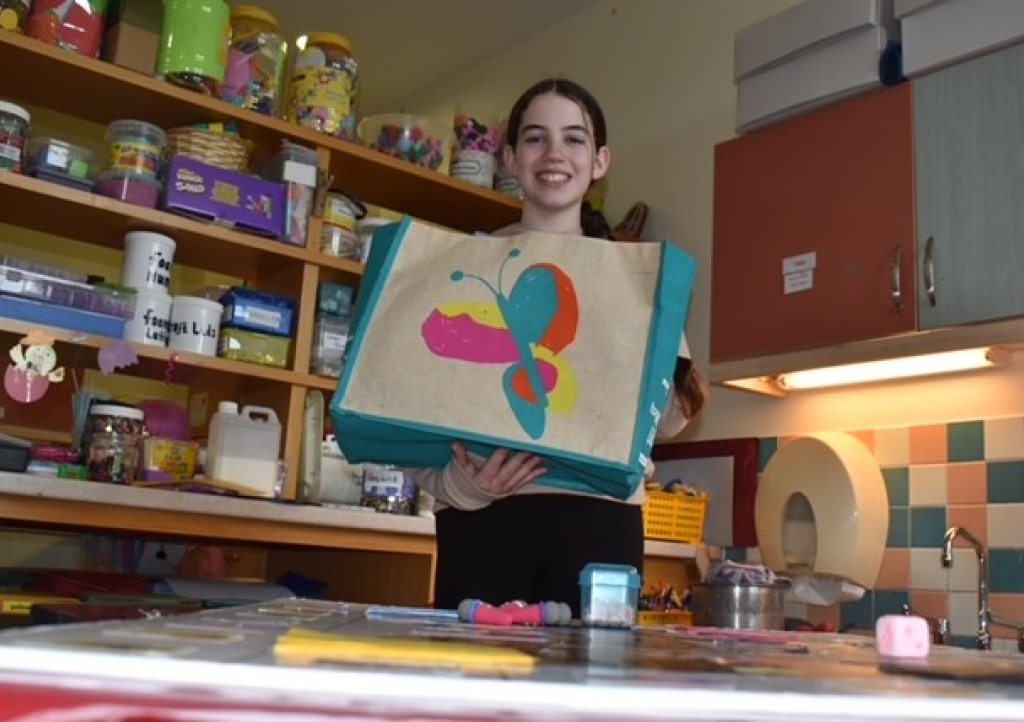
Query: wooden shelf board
pixel 153 360
pixel 79 505
pixel 101 92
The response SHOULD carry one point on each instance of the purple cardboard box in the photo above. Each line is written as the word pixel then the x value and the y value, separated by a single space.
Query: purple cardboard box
pixel 225 197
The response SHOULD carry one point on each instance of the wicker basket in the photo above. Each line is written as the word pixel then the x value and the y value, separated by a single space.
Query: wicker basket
pixel 223 150
pixel 675 517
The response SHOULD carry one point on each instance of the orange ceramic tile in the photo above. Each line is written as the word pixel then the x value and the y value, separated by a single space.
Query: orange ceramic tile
pixel 974 517
pixel 866 437
pixel 930 604
pixel 895 570
pixel 1008 605
pixel 818 614
pixel 928 444
pixel 967 483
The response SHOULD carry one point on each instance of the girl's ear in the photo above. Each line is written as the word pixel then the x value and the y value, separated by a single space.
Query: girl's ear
pixel 602 161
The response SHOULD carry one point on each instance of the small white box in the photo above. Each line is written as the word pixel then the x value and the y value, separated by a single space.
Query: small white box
pixel 821 75
pixel 942 33
pixel 803 27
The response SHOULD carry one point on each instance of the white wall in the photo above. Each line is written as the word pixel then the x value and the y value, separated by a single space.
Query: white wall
pixel 662 70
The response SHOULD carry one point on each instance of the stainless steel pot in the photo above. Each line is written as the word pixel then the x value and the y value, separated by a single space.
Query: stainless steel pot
pixel 739 606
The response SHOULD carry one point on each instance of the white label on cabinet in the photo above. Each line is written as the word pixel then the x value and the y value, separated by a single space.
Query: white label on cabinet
pixel 796 282
pixel 803 262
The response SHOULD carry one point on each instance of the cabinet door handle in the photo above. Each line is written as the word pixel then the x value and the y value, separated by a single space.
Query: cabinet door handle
pixel 929 270
pixel 895 287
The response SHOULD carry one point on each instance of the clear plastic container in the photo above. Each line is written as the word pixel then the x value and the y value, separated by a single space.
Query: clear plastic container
pixel 76 26
pixel 324 89
pixel 609 595
pixel 14 123
pixel 115 433
pixel 136 147
pixel 330 336
pixel 60 161
pixel 60 292
pixel 256 60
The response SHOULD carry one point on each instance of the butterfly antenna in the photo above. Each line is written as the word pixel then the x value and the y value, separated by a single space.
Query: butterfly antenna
pixel 462 275
pixel 514 253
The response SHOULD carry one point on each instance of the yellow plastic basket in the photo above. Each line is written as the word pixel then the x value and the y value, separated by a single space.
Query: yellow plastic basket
pixel 675 517
pixel 673 616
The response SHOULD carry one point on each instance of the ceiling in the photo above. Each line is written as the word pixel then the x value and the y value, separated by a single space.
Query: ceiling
pixel 404 46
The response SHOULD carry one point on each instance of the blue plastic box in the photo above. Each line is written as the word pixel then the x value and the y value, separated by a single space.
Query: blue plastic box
pixel 609 595
pixel 73 319
pixel 257 311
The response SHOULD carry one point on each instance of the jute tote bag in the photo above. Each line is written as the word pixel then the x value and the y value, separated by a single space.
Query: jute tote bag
pixel 560 345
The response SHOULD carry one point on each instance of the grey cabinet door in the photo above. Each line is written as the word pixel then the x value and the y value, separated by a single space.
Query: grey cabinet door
pixel 969 146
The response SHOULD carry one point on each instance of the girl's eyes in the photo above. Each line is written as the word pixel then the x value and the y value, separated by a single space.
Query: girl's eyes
pixel 534 139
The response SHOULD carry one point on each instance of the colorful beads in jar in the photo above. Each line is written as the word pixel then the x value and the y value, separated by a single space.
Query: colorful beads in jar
pixel 14 14
pixel 324 89
pixel 76 26
pixel 194 44
pixel 115 433
pixel 475 149
pixel 255 69
pixel 14 122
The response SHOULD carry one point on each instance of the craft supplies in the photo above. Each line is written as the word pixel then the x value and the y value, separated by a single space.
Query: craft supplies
pixel 135 146
pixel 130 187
pixel 194 44
pixel 76 26
pixel 413 138
pixel 115 435
pixel 255 69
pixel 338 236
pixel 477 139
pixel 60 162
pixel 195 325
pixel 324 89
pixel 14 123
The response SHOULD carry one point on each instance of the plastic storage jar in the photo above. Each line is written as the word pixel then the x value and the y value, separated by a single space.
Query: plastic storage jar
pixel 13 14
pixel 194 44
pixel 136 147
pixel 76 26
pixel 324 86
pixel 14 122
pixel 255 70
pixel 115 442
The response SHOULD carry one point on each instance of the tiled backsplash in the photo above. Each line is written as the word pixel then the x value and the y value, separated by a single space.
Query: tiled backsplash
pixel 968 474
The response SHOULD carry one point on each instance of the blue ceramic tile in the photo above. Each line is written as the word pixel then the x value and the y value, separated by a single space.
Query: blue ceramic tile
pixel 1006 571
pixel 736 554
pixel 966 440
pixel 890 602
pixel 963 641
pixel 765 449
pixel 899 528
pixel 897 485
pixel 859 614
pixel 1005 482
pixel 927 526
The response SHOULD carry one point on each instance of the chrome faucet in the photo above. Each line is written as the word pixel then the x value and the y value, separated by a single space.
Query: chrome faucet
pixel 984 639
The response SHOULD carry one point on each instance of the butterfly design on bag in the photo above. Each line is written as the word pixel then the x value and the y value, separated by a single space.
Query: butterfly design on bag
pixel 527 329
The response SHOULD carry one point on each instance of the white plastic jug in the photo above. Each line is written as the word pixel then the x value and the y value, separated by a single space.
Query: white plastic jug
pixel 242 449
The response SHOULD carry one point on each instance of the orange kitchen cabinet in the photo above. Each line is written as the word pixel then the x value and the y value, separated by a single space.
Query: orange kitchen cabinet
pixel 833 188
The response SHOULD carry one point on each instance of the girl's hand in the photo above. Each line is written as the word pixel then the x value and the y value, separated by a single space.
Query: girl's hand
pixel 503 473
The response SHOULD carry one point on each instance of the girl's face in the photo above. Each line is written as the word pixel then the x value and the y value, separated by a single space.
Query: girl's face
pixel 554 157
